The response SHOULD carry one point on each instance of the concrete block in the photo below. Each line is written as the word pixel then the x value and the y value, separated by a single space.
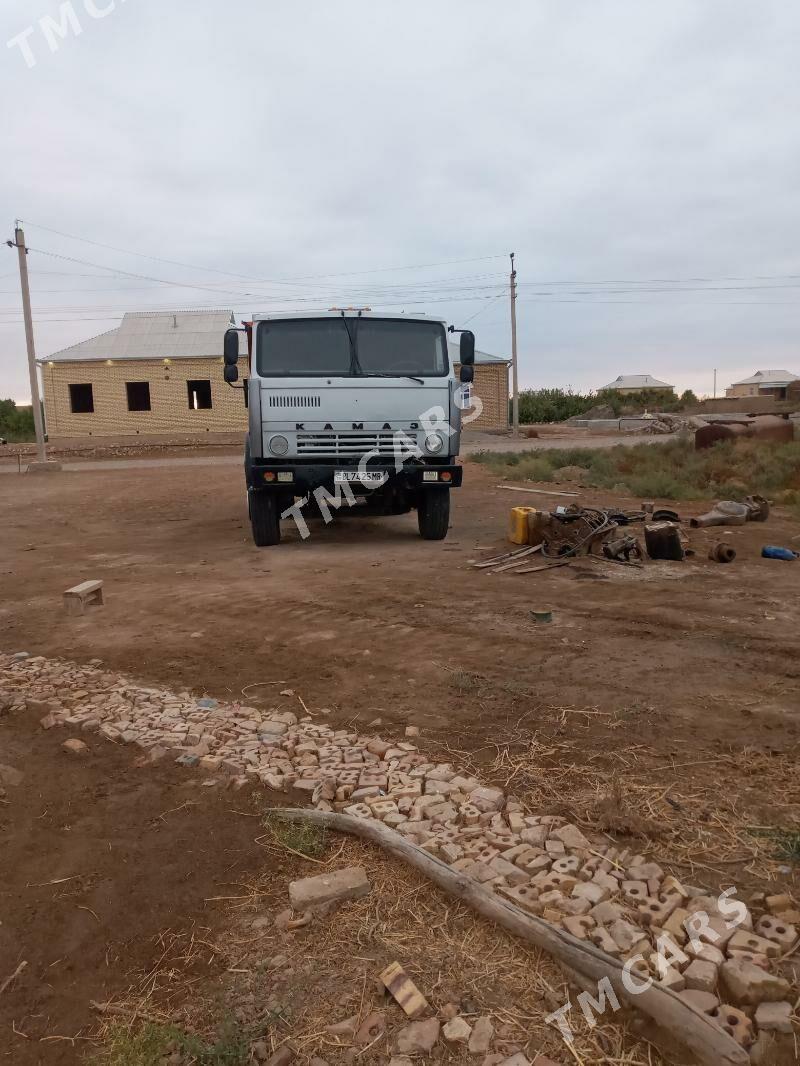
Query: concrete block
pixel 702 1001
pixel 749 985
pixel 481 1037
pixel 418 1038
pixel 487 799
pixel 350 883
pixel 571 837
pixel 457 1031
pixel 701 976
pixel 87 594
pixel 774 1017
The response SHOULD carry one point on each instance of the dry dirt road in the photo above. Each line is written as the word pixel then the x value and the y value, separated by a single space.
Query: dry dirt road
pixel 662 703
pixel 372 621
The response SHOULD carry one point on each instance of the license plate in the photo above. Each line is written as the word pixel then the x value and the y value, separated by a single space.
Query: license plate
pixel 367 477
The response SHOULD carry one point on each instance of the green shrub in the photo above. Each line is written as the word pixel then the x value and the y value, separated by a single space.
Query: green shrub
pixel 151 1043
pixel 16 423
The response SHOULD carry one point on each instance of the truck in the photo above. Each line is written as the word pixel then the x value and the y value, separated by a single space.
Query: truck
pixel 350 409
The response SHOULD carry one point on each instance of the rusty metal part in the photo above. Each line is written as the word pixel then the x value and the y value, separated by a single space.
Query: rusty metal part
pixel 724 513
pixel 757 507
pixel 722 552
pixel 573 530
pixel 622 547
pixel 761 427
pixel 663 541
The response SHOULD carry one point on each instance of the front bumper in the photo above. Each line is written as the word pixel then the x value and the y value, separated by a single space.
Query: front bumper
pixel 302 478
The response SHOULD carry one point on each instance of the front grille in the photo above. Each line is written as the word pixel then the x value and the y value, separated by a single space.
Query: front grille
pixel 352 444
pixel 294 401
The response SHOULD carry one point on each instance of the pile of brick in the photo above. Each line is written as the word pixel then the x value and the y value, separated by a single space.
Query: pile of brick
pixel 623 903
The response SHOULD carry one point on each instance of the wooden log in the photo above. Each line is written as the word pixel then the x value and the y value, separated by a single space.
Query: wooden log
pixel 711 1044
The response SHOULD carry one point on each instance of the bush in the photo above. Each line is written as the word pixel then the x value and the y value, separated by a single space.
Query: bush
pixel 671 470
pixel 16 423
pixel 552 405
pixel 557 405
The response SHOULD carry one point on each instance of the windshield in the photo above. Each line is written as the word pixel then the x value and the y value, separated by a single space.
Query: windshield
pixel 352 347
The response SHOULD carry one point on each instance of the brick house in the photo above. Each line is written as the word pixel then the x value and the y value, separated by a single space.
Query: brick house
pixel 160 373
pixel 773 383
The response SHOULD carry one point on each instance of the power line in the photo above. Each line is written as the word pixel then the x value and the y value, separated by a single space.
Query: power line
pixel 263 281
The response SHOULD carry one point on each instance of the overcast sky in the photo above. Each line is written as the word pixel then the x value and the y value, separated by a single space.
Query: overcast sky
pixel 621 148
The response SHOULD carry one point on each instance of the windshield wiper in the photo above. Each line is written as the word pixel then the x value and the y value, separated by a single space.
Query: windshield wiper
pixel 355 366
pixel 411 377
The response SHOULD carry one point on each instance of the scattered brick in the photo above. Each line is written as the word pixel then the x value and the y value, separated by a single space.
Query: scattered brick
pixel 402 988
pixel 350 883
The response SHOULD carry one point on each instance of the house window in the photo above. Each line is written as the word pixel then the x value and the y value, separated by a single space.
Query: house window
pixel 81 399
pixel 199 395
pixel 138 395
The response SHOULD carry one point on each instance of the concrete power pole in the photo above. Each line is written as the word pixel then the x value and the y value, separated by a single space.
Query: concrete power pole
pixel 514 374
pixel 715 384
pixel 22 252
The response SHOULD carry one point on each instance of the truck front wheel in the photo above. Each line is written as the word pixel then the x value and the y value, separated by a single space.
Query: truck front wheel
pixel 264 518
pixel 433 513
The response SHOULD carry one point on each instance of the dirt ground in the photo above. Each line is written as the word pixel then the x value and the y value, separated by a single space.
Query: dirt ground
pixel 662 703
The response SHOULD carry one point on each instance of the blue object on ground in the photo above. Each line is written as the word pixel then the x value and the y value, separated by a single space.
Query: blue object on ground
pixel 771 552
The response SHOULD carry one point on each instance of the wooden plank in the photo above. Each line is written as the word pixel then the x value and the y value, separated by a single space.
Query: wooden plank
pixel 540 492
pixel 84 589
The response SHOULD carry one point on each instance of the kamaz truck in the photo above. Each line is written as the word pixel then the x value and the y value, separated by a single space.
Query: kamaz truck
pixel 350 408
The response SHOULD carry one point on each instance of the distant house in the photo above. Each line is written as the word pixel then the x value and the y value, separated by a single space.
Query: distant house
pixel 161 373
pixel 764 383
pixel 628 383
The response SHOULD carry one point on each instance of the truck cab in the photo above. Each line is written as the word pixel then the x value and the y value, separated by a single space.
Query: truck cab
pixel 352 410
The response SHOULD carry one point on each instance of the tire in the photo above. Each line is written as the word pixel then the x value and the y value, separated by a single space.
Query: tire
pixel 264 518
pixel 433 513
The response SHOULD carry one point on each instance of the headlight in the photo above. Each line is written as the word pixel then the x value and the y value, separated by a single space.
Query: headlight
pixel 278 445
pixel 433 443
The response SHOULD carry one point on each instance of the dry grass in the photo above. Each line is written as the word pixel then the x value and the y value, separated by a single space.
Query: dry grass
pixel 452 955
pixel 331 967
pixel 668 470
pixel 693 811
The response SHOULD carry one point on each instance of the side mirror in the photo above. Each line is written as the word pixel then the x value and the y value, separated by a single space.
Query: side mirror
pixel 466 375
pixel 230 373
pixel 231 350
pixel 467 348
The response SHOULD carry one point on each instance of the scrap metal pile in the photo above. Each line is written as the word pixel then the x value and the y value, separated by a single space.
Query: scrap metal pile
pixel 575 531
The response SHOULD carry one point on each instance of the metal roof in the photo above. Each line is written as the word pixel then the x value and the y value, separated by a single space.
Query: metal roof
pixel 636 381
pixel 769 377
pixel 154 335
pixel 481 358
pixel 189 335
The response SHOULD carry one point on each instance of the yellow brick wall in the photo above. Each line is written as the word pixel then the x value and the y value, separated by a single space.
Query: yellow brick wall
pixel 491 384
pixel 742 390
pixel 169 398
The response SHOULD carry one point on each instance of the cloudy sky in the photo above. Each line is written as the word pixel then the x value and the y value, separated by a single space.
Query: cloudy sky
pixel 641 158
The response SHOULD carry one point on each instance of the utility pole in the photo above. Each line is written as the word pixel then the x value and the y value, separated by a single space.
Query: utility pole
pixel 715 384
pixel 514 374
pixel 22 252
